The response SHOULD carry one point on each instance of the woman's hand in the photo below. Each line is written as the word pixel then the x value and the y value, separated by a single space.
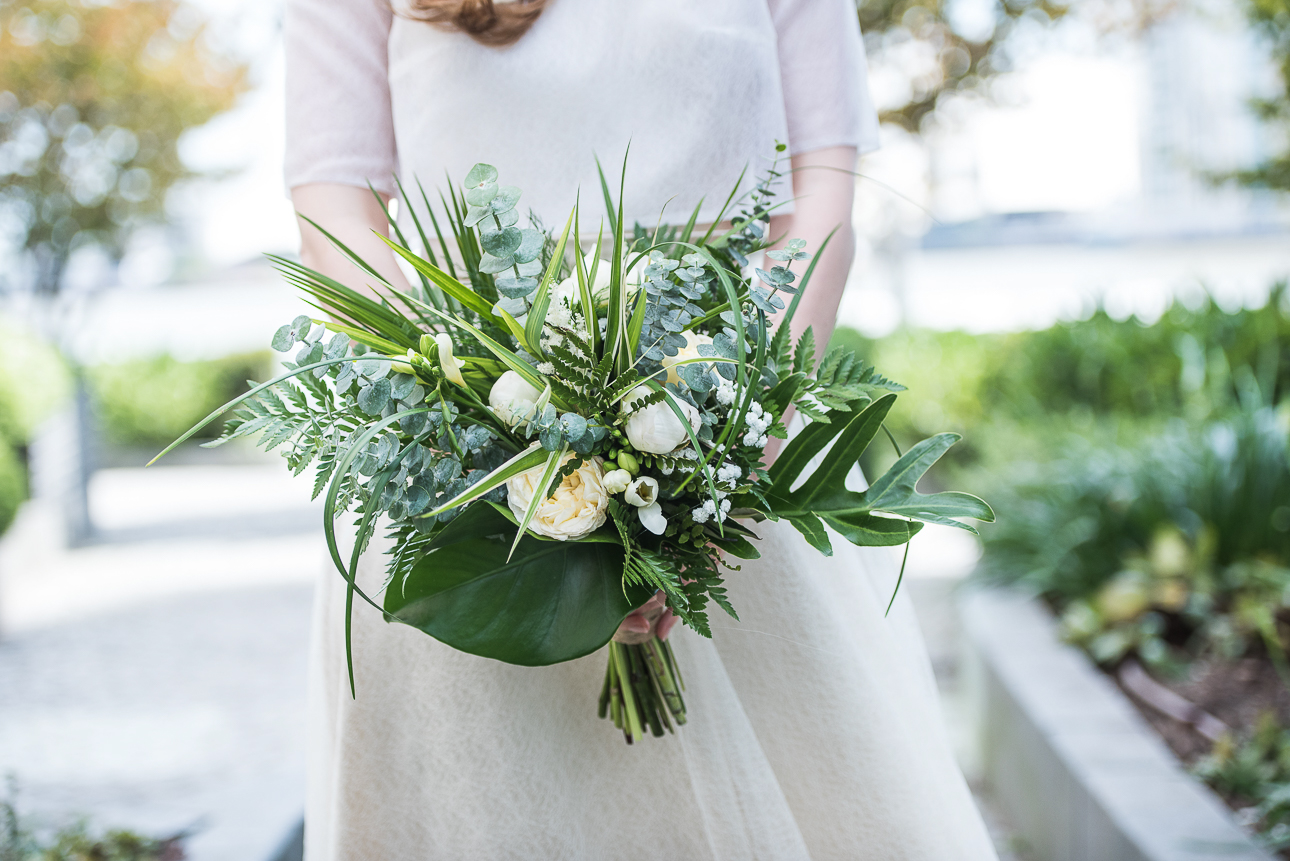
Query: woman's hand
pixel 651 619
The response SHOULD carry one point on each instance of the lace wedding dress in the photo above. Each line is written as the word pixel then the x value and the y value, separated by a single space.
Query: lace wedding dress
pixel 814 729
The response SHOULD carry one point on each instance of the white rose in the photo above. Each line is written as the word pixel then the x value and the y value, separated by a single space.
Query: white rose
pixel 512 398
pixel 616 480
pixel 652 518
pixel 568 288
pixel 577 508
pixel 656 429
pixel 642 492
pixel 689 351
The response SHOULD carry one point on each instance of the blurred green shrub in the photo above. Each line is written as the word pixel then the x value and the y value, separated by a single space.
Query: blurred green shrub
pixel 1016 397
pixel 1174 548
pixel 18 842
pixel 150 402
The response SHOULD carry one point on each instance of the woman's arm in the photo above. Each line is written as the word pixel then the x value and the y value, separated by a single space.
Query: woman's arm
pixel 825 191
pixel 351 214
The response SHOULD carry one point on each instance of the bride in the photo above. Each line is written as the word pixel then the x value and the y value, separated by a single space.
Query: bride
pixel 814 731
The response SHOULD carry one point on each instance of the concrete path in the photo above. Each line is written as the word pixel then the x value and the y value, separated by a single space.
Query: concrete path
pixel 155 678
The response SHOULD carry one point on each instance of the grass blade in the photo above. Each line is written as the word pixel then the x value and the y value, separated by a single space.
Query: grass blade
pixel 539 495
pixel 542 299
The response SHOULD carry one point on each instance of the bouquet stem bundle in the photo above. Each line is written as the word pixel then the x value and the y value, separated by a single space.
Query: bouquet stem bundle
pixel 642 689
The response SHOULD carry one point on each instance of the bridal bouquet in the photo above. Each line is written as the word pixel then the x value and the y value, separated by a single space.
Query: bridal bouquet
pixel 553 434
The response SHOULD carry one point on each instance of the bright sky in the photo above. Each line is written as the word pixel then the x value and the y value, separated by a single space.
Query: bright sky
pixel 1069 143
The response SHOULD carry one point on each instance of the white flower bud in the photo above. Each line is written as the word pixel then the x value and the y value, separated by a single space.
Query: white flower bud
pixel 656 429
pixel 512 399
pixel 451 365
pixel 616 480
pixel 642 492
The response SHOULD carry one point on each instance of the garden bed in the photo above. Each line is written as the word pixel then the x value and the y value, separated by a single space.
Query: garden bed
pixel 1076 767
pixel 1224 721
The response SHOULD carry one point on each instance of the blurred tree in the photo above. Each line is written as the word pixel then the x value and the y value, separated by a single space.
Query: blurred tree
pixel 94 96
pixel 936 53
pixel 1271 18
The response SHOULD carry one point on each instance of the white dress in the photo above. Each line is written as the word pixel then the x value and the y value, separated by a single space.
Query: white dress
pixel 814 729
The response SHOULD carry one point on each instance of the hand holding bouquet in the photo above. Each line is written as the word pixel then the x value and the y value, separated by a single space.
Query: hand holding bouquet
pixel 553 434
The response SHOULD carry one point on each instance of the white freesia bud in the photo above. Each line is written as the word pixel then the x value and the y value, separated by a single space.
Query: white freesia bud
pixel 451 365
pixel 512 398
pixel 656 429
pixel 642 492
pixel 576 508
pixel 689 351
pixel 616 480
pixel 652 518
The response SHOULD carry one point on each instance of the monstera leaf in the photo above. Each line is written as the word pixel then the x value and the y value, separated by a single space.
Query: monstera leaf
pixel 552 601
pixel 863 518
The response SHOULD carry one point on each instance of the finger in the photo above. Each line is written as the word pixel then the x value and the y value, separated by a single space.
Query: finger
pixel 657 600
pixel 663 626
pixel 635 624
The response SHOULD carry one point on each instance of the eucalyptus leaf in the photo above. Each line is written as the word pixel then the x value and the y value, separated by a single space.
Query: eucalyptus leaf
pixel 480 174
pixel 492 265
pixel 530 247
pixel 516 288
pixel 373 397
pixel 501 243
pixel 507 197
pixel 482 194
pixel 283 339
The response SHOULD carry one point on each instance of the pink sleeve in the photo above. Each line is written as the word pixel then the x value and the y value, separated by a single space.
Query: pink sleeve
pixel 825 80
pixel 339 126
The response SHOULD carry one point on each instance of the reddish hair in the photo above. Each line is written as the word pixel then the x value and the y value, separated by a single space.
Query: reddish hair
pixel 489 23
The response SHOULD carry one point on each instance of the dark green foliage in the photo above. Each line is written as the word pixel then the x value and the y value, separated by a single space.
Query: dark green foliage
pixel 19 841
pixel 149 402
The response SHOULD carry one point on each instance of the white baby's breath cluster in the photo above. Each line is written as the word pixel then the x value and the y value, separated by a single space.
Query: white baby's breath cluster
pixel 712 509
pixel 729 474
pixel 758 421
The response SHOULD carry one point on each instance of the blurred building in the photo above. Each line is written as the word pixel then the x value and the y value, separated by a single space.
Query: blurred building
pixel 1159 125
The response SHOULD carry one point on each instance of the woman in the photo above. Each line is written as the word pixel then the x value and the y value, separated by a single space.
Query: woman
pixel 814 727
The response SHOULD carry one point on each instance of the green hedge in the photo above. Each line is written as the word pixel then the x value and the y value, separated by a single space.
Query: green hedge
pixel 150 402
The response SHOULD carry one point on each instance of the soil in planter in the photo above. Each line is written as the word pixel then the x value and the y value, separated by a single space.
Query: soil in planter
pixel 1240 693
pixel 1236 692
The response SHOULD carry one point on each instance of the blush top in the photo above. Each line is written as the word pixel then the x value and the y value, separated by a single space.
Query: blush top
pixel 700 90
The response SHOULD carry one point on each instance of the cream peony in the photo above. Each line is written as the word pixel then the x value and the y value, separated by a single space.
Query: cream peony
pixel 512 398
pixel 656 429
pixel 689 351
pixel 577 508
